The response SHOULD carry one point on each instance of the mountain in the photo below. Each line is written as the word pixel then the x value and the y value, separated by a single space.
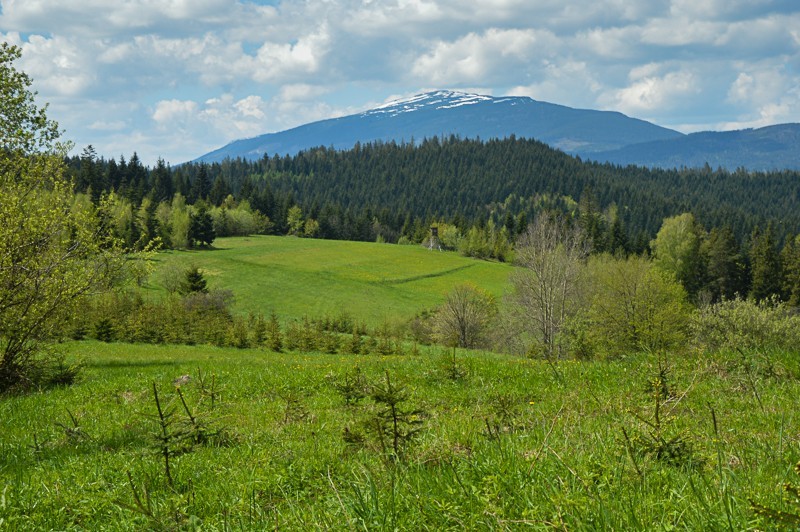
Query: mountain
pixel 602 136
pixel 445 113
pixel 767 148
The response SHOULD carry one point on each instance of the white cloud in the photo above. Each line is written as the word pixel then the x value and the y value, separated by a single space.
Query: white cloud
pixel 103 125
pixel 60 66
pixel 569 83
pixel 681 32
pixel 768 92
pixel 473 57
pixel 281 61
pixel 172 76
pixel 168 112
pixel 251 107
pixel 650 92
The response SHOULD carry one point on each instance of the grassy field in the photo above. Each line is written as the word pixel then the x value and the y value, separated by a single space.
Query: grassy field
pixel 296 277
pixel 504 443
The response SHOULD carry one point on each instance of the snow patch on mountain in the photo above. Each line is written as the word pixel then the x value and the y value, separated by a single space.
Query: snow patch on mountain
pixel 429 100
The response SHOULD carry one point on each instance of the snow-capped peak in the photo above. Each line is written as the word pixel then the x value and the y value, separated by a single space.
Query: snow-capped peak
pixel 442 99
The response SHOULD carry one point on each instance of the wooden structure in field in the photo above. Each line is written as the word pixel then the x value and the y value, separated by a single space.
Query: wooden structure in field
pixel 433 240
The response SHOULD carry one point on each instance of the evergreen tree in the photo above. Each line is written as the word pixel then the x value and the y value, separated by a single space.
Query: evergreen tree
pixel 90 177
pixel 725 268
pixel 201 226
pixel 193 282
pixel 765 265
pixel 790 265
pixel 219 191
pixel 202 185
pixel 137 179
pixel 590 220
pixel 112 175
pixel 618 244
pixel 162 182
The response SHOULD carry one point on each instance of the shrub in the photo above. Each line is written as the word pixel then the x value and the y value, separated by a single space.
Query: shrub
pixel 634 307
pixel 746 324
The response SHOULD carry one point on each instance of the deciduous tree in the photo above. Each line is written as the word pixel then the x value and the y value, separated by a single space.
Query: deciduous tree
pixel 676 251
pixel 464 318
pixel 546 290
pixel 52 253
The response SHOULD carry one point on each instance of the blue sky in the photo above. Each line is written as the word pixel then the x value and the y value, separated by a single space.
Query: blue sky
pixel 178 78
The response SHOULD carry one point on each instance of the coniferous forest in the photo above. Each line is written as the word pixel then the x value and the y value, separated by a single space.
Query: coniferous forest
pixel 482 194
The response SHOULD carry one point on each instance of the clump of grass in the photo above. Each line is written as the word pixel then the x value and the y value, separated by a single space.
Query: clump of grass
pixel 782 518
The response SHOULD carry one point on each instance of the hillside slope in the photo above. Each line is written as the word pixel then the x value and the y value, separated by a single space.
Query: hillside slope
pixel 296 277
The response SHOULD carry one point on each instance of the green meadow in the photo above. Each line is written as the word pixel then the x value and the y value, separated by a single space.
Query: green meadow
pixel 296 277
pixel 502 444
pixel 169 437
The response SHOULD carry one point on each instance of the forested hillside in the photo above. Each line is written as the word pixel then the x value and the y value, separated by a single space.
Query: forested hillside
pixel 395 190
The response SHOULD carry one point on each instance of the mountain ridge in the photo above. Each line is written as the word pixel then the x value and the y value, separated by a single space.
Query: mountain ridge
pixel 445 113
pixel 602 136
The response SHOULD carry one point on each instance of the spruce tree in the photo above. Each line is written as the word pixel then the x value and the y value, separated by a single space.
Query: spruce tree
pixel 765 265
pixel 201 226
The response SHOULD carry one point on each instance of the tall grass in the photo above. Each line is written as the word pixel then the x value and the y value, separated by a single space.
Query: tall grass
pixel 507 445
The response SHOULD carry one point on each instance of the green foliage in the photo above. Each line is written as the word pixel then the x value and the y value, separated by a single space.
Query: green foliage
pixel 634 307
pixel 656 435
pixel 676 251
pixel 725 267
pixel 352 386
pixel 193 282
pixel 52 251
pixel 790 265
pixel 294 219
pixel 394 424
pixel 465 317
pixel 452 368
pixel 175 435
pixel 764 264
pixel 746 324
pixel 125 316
pixel 104 330
pixel 238 219
pixel 201 226
pixel 168 441
pixel 274 335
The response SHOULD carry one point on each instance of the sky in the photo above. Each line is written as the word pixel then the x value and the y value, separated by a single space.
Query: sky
pixel 178 78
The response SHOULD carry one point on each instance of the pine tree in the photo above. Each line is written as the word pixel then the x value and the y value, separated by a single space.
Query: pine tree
pixel 90 177
pixel 765 265
pixel 193 282
pixel 219 191
pixel 162 182
pixel 201 226
pixel 790 264
pixel 202 185
pixel 725 269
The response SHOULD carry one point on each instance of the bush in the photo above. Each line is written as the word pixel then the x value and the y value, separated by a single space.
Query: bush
pixel 746 324
pixel 633 307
